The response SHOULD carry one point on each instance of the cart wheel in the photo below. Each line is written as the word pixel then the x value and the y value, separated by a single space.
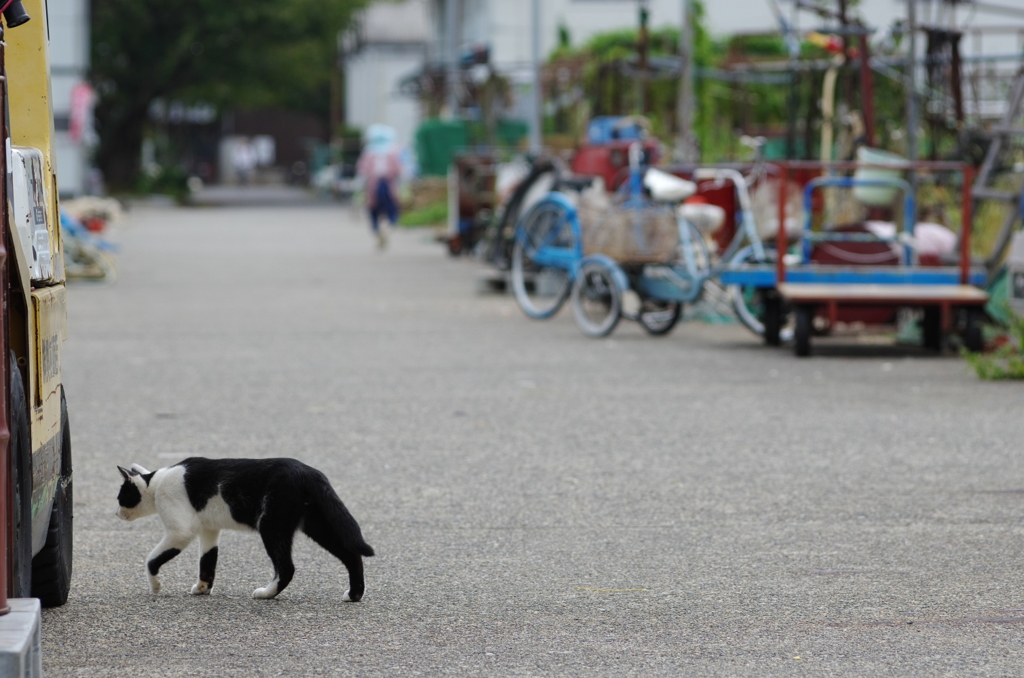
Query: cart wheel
pixel 455 246
pixel 974 340
pixel 771 317
pixel 931 328
pixel 802 332
pixel 659 317
pixel 749 304
pixel 541 289
pixel 596 299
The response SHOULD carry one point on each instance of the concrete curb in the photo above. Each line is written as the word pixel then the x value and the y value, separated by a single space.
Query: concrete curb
pixel 20 652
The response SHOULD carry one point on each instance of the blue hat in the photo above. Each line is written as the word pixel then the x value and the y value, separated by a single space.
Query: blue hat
pixel 380 138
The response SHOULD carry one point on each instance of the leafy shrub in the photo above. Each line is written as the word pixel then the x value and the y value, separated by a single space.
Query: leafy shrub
pixel 1007 361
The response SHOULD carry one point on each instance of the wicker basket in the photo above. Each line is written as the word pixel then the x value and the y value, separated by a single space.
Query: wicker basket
pixel 645 234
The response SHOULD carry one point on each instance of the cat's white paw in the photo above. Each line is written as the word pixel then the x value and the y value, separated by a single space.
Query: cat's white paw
pixel 154 585
pixel 201 588
pixel 265 592
pixel 346 597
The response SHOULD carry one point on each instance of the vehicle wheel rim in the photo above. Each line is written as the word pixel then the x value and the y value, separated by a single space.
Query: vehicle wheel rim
pixel 596 301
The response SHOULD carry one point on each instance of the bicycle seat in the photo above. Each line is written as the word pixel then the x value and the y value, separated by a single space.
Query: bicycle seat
pixel 705 217
pixel 665 187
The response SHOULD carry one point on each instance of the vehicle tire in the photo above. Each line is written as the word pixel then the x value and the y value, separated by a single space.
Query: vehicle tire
pixel 51 568
pixel 658 318
pixel 21 485
pixel 543 177
pixel 540 290
pixel 803 330
pixel 749 305
pixel 974 339
pixel 931 328
pixel 596 300
pixel 771 317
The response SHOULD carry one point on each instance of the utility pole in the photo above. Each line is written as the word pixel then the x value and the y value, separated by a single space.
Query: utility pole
pixel 452 72
pixel 912 112
pixel 686 150
pixel 643 44
pixel 536 138
pixel 338 90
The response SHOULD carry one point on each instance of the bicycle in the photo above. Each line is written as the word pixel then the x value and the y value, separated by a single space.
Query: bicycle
pixel 550 264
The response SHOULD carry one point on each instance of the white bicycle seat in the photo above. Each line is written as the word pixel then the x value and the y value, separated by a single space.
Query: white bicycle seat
pixel 665 187
pixel 705 217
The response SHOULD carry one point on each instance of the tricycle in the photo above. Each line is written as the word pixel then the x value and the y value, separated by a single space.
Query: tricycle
pixel 640 253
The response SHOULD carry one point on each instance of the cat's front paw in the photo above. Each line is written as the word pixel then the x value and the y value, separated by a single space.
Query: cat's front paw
pixel 349 598
pixel 154 585
pixel 201 588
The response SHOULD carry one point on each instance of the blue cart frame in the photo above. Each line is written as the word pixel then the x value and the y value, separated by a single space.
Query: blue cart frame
pixel 812 289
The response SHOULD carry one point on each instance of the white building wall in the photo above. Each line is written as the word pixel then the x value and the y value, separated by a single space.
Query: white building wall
pixel 395 39
pixel 371 90
pixel 69 60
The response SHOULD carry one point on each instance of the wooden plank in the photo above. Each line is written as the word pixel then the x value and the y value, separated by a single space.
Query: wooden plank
pixel 883 294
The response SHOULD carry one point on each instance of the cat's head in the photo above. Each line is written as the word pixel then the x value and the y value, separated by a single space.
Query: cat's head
pixel 134 500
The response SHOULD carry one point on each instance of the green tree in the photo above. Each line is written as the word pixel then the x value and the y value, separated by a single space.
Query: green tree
pixel 608 88
pixel 231 53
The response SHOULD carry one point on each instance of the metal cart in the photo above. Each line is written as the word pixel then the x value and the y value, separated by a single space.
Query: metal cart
pixel 949 295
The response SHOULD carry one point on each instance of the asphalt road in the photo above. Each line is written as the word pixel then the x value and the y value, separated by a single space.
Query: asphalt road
pixel 541 503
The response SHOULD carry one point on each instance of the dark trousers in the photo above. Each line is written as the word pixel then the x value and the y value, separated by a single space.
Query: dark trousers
pixel 385 205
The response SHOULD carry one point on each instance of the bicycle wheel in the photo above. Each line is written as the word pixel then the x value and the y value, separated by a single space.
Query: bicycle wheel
pixel 659 317
pixel 544 244
pixel 693 251
pixel 596 299
pixel 498 243
pixel 756 308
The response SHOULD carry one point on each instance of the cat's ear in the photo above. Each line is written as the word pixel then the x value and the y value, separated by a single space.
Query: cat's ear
pixel 139 469
pixel 125 472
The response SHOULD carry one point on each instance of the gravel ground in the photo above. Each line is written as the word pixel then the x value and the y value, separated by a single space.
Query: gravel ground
pixel 541 504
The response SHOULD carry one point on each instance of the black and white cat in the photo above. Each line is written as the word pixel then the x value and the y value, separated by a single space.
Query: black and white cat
pixel 275 497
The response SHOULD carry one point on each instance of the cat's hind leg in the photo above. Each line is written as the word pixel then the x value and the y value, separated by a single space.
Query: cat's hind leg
pixel 278 536
pixel 170 546
pixel 207 561
pixel 354 565
pixel 323 533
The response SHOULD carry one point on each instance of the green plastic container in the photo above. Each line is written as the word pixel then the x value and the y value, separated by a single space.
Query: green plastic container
pixel 877 196
pixel 437 142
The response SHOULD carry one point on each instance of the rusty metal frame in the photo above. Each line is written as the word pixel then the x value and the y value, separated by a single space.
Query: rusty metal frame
pixel 967 216
pixel 6 495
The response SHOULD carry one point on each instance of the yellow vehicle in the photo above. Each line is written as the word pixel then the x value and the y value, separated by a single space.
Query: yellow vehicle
pixel 35 323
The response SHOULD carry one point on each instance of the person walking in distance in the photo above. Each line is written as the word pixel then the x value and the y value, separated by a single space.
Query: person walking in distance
pixel 245 160
pixel 380 167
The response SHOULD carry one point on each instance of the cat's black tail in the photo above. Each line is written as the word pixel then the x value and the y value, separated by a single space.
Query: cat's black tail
pixel 332 518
